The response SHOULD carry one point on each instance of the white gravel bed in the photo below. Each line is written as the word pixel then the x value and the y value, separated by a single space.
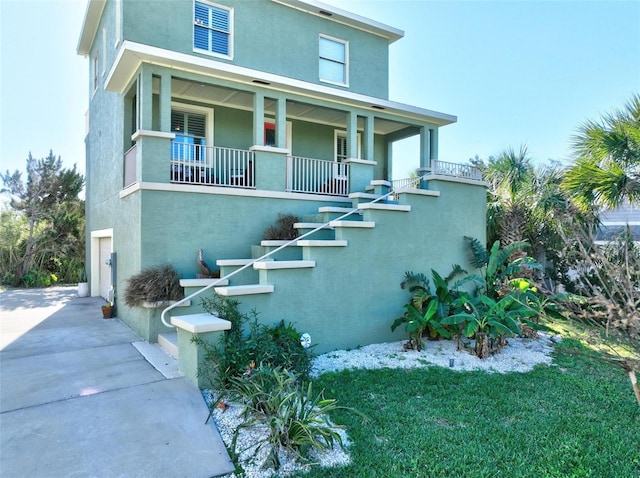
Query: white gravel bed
pixel 520 355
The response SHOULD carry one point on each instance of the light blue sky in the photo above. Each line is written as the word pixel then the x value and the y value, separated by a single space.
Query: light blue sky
pixel 513 72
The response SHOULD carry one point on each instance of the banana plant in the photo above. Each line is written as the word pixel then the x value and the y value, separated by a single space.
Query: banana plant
pixel 489 317
pixel 416 323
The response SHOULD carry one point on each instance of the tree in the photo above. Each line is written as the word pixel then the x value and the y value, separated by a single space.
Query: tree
pixel 510 177
pixel 54 214
pixel 606 171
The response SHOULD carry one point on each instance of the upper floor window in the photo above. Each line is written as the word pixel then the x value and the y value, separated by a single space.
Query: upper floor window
pixel 95 79
pixel 212 29
pixel 334 56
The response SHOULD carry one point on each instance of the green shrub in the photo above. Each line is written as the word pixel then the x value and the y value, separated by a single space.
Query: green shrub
pixel 295 418
pixel 249 342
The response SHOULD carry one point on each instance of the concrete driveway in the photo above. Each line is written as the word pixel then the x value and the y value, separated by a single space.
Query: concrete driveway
pixel 78 399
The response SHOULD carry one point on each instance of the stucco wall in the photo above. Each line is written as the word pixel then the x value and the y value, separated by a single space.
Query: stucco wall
pixel 268 37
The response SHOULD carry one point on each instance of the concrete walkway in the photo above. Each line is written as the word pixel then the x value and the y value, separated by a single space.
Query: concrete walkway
pixel 77 399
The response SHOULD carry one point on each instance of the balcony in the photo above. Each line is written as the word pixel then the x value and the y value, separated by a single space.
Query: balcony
pixel 211 165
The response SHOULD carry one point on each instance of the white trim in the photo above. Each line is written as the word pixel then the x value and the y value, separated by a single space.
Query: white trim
pixel 228 191
pixel 269 149
pixel 620 223
pixel 95 76
pixel 454 179
pixel 418 192
pixel 385 207
pixel 343 133
pixel 133 54
pixel 94 280
pixel 275 265
pixel 118 22
pixel 344 17
pixel 229 56
pixel 104 52
pixel 366 162
pixel 345 43
pixel 207 112
pixel 151 134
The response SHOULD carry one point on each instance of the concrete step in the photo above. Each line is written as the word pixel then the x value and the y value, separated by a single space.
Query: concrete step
pixel 385 207
pixel 267 266
pixel 287 254
pixel 244 290
pixel 330 213
pixel 247 276
pixel 200 283
pixel 304 227
pixel 200 323
pixel 330 243
pixel 361 224
pixel 169 342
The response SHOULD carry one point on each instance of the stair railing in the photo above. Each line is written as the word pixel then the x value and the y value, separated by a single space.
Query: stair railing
pixel 283 246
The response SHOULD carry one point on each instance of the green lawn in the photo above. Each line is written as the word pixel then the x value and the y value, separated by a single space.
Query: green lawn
pixel 577 418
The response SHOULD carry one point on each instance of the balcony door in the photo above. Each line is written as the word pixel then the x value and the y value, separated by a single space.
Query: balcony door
pixel 190 142
pixel 342 153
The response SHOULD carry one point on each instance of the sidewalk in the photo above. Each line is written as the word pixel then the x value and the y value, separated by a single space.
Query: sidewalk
pixel 78 399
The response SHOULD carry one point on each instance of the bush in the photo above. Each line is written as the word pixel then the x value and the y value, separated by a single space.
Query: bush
pixel 283 229
pixel 156 284
pixel 272 346
pixel 295 418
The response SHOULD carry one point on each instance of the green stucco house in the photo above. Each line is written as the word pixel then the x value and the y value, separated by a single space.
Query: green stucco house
pixel 207 119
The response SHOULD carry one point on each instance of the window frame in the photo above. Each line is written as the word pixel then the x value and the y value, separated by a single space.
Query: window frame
pixel 230 33
pixel 95 73
pixel 345 65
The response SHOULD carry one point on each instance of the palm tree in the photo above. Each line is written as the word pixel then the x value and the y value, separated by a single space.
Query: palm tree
pixel 606 171
pixel 509 196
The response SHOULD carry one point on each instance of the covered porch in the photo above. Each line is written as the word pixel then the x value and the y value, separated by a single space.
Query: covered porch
pixel 219 126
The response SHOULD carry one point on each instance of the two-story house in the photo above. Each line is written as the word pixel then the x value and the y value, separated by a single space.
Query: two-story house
pixel 207 119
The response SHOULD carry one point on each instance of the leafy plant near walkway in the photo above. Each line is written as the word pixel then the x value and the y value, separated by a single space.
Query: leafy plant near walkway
pixel 294 417
pixel 282 229
pixel 248 342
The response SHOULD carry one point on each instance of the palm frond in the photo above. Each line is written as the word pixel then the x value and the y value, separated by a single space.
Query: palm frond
pixel 479 253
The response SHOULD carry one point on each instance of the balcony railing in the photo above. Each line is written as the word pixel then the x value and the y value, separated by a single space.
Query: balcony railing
pixel 317 176
pixel 466 171
pixel 211 165
pixel 130 166
pixel 411 183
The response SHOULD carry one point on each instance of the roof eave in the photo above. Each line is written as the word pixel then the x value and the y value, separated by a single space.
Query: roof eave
pixel 336 14
pixel 132 55
pixel 90 26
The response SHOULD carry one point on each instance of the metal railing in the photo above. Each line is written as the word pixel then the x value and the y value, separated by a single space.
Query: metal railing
pixel 457 170
pixel 317 176
pixel 405 183
pixel 130 166
pixel 268 254
pixel 211 165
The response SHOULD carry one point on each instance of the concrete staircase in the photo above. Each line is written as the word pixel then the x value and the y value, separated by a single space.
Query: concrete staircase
pixel 263 276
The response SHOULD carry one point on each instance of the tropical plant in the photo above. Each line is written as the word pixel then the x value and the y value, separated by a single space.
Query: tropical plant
pixel 426 309
pixel 496 267
pixel 296 418
pixel 488 320
pixel 248 342
pixel 606 171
